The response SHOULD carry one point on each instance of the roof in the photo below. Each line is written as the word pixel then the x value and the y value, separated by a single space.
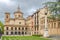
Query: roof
pixel 17 18
pixel 7 13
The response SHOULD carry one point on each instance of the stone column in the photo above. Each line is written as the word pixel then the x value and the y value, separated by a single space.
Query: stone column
pixel 46 28
pixel 24 30
pixel 21 31
pixel 39 26
pixel 9 32
pixel 24 33
pixel 57 28
pixel 29 30
pixel 56 24
pixel 50 29
pixel 17 30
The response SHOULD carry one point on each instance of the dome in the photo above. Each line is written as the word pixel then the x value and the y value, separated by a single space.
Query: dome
pixel 18 10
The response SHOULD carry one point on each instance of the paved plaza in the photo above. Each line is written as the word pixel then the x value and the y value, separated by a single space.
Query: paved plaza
pixel 55 37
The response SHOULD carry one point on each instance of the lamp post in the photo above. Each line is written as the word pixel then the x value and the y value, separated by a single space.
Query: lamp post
pixel 57 30
pixel 46 27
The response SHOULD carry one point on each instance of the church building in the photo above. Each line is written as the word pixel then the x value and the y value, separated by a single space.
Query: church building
pixel 16 25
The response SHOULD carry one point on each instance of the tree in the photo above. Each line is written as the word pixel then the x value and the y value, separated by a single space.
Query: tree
pixel 2 27
pixel 58 0
pixel 54 7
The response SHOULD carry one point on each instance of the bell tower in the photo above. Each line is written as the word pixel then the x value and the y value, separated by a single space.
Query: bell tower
pixel 7 16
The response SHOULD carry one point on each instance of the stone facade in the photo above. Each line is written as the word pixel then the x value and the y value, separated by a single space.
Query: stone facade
pixel 32 25
pixel 16 25
pixel 39 23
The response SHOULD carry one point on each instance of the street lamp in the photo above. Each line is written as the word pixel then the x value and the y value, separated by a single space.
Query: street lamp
pixel 46 28
pixel 57 29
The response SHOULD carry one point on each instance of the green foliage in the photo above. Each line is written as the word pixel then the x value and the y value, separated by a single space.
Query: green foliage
pixel 51 17
pixel 37 35
pixel 54 8
pixel 52 3
pixel 2 27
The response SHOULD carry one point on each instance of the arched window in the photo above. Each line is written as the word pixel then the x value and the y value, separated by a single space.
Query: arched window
pixel 15 33
pixel 22 33
pixel 19 28
pixel 15 28
pixel 11 28
pixel 6 33
pixel 19 33
pixel 19 15
pixel 6 28
pixel 23 28
pixel 7 16
pixel 11 33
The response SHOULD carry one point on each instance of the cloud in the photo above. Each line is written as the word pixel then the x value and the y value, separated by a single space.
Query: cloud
pixel 7 2
pixel 28 7
pixel 29 12
pixel 32 10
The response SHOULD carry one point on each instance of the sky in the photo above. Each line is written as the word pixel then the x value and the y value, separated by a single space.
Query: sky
pixel 27 7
